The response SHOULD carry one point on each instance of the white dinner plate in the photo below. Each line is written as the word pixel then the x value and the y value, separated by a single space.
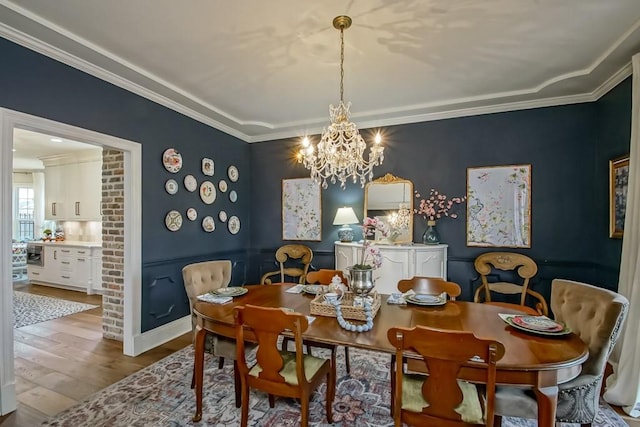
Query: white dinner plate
pixel 190 183
pixel 233 225
pixel 192 214
pixel 424 299
pixel 207 166
pixel 208 192
pixel 173 220
pixel 171 186
pixel 172 160
pixel 233 291
pixel 233 173
pixel 208 224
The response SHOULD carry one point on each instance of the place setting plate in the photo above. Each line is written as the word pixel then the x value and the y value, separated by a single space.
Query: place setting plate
pixel 426 300
pixel 311 289
pixel 234 291
pixel 540 325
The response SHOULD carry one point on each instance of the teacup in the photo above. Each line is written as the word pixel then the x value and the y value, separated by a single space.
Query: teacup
pixel 332 297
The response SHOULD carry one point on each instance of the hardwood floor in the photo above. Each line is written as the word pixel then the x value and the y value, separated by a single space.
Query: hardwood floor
pixel 60 362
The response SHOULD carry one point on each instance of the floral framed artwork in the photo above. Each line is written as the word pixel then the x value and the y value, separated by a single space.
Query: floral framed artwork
pixel 301 209
pixel 618 182
pixel 499 206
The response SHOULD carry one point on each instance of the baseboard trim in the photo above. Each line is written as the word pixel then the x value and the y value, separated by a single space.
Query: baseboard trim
pixel 160 335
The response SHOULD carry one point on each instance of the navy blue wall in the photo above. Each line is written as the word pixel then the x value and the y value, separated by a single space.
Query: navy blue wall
pixel 37 85
pixel 568 147
pixel 564 145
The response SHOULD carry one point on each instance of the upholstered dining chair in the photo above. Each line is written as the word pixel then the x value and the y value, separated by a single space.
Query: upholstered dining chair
pixel 324 277
pixel 430 286
pixel 285 256
pixel 441 398
pixel 596 315
pixel 521 265
pixel 200 278
pixel 280 373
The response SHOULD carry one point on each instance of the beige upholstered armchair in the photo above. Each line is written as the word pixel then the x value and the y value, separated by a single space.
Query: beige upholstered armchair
pixel 596 315
pixel 200 278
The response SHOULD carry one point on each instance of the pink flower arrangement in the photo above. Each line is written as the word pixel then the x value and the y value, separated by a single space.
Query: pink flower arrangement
pixel 370 252
pixel 437 205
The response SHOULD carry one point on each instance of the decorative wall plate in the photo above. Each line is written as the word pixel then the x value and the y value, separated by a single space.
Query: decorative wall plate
pixel 233 224
pixel 222 216
pixel 207 166
pixel 222 185
pixel 190 183
pixel 233 196
pixel 233 173
pixel 207 192
pixel 172 160
pixel 173 220
pixel 192 214
pixel 171 186
pixel 207 224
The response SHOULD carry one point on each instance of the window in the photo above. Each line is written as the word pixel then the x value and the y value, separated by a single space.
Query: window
pixel 23 223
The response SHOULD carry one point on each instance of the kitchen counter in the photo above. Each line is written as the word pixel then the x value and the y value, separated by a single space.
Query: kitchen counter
pixel 73 243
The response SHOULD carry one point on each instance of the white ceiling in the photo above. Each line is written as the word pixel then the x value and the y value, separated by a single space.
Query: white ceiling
pixel 264 70
pixel 29 148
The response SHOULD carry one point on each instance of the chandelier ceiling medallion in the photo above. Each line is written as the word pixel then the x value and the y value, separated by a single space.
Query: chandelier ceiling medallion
pixel 340 153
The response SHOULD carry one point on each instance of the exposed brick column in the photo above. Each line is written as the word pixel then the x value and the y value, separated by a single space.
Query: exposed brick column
pixel 113 244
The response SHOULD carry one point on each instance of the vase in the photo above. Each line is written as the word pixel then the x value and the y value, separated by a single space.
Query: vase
pixel 430 236
pixel 360 280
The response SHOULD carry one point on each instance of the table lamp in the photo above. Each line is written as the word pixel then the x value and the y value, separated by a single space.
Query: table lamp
pixel 344 217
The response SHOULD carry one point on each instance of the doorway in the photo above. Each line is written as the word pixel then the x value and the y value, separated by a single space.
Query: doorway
pixel 11 120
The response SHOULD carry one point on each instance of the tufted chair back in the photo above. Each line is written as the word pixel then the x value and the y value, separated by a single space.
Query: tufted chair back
pixel 592 313
pixel 203 277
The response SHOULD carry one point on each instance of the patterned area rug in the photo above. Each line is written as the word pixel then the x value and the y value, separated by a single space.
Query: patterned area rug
pixel 160 395
pixel 29 309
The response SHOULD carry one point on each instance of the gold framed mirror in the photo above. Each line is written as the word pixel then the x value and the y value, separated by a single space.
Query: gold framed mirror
pixel 390 199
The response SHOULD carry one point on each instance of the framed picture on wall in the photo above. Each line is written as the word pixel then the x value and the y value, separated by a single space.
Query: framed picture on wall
pixel 499 206
pixel 618 182
pixel 301 209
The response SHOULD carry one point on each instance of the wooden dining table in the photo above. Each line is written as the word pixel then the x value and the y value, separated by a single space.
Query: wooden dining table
pixel 533 361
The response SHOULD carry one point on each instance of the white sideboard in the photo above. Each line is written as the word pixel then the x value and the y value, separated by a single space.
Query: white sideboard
pixel 398 262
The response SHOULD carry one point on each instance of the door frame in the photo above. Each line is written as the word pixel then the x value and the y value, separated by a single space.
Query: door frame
pixel 133 341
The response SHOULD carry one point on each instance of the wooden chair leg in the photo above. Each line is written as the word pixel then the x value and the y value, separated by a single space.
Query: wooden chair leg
pixel 244 417
pixel 272 401
pixel 220 362
pixel 346 359
pixel 193 376
pixel 497 421
pixel 393 382
pixel 304 410
pixel 236 383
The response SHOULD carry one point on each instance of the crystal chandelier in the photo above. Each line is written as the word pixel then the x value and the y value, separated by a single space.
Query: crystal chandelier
pixel 340 153
pixel 400 220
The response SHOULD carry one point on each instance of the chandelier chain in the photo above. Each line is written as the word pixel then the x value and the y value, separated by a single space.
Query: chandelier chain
pixel 341 65
pixel 339 156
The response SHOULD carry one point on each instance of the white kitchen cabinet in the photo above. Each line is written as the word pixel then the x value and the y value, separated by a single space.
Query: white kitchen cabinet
pixel 73 186
pixel 77 267
pixel 398 262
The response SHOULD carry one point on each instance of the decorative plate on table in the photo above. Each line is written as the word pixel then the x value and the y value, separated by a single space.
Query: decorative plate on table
pixel 538 323
pixel 233 173
pixel 222 216
pixel 233 224
pixel 311 289
pixel 207 192
pixel 207 224
pixel 190 183
pixel 207 166
pixel 171 186
pixel 508 318
pixel 192 214
pixel 233 196
pixel 424 299
pixel 172 160
pixel 234 291
pixel 173 220
pixel 222 186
